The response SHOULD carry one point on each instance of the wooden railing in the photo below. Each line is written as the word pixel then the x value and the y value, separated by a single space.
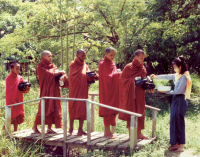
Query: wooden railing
pixel 90 118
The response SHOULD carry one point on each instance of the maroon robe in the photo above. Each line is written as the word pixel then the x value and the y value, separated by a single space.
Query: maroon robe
pixel 78 88
pixel 132 98
pixel 49 87
pixel 14 95
pixel 108 90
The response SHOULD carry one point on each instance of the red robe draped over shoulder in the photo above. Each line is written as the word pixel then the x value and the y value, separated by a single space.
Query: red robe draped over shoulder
pixel 14 95
pixel 132 98
pixel 49 87
pixel 78 88
pixel 108 86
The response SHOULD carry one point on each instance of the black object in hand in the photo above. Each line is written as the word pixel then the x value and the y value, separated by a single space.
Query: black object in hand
pixel 146 83
pixel 91 73
pixel 22 85
pixel 58 77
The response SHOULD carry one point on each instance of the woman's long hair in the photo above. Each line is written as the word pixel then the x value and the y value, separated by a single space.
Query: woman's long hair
pixel 180 62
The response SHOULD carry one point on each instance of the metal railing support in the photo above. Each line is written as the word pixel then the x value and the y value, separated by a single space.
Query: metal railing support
pixel 92 114
pixel 8 120
pixel 133 133
pixel 42 119
pixel 64 127
pixel 88 123
pixel 154 116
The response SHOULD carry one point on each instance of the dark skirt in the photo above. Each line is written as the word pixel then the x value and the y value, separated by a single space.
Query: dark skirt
pixel 177 122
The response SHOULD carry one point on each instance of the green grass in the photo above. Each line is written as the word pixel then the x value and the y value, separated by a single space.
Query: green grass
pixel 12 147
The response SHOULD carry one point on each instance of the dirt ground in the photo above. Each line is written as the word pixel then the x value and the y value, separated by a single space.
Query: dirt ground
pixel 186 153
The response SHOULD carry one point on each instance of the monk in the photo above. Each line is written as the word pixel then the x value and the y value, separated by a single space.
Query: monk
pixel 108 90
pixel 14 95
pixel 47 72
pixel 132 97
pixel 78 88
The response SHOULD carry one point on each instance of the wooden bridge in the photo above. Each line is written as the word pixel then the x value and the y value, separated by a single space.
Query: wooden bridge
pixel 93 140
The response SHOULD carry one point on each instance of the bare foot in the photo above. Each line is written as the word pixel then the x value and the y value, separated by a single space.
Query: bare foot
pixel 35 130
pixel 176 147
pixel 50 131
pixel 70 131
pixel 109 135
pixel 80 133
pixel 180 149
pixel 140 136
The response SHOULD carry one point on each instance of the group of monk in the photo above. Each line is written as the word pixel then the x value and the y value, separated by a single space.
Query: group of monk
pixel 116 89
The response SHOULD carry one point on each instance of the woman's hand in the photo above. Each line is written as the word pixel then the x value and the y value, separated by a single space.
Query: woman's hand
pixel 162 91
pixel 153 76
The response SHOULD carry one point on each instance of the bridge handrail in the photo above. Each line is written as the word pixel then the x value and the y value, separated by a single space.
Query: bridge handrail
pixel 96 103
pixel 133 120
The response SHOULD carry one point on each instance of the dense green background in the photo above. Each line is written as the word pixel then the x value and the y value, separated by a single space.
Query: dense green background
pixel 165 29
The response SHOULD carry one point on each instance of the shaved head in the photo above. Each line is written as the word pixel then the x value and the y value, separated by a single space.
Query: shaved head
pixel 45 52
pixel 139 52
pixel 15 67
pixel 81 54
pixel 109 49
pixel 12 65
pixel 46 55
pixel 140 56
pixel 80 51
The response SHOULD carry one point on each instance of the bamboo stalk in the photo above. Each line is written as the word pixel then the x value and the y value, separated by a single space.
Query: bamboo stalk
pixel 61 34
pixel 74 29
pixel 67 46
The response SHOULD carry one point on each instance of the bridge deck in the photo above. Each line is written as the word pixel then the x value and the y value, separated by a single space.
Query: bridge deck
pixel 98 141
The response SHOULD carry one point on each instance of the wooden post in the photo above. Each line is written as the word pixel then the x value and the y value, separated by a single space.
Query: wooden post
pixel 42 119
pixel 88 123
pixel 133 133
pixel 92 114
pixel 64 127
pixel 7 120
pixel 154 116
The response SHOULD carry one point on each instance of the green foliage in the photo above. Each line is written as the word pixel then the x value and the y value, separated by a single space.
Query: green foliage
pixel 195 84
pixel 164 29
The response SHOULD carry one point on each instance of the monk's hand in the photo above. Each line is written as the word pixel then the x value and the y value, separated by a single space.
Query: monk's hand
pixel 62 72
pixel 150 91
pixel 88 84
pixel 96 77
pixel 27 89
pixel 153 76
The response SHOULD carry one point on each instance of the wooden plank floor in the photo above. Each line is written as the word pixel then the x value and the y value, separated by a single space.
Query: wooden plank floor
pixel 98 141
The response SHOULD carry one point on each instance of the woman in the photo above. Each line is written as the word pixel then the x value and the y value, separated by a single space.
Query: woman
pixel 181 92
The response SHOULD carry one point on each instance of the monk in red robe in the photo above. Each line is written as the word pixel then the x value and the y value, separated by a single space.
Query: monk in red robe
pixel 132 98
pixel 14 95
pixel 108 90
pixel 49 87
pixel 78 88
